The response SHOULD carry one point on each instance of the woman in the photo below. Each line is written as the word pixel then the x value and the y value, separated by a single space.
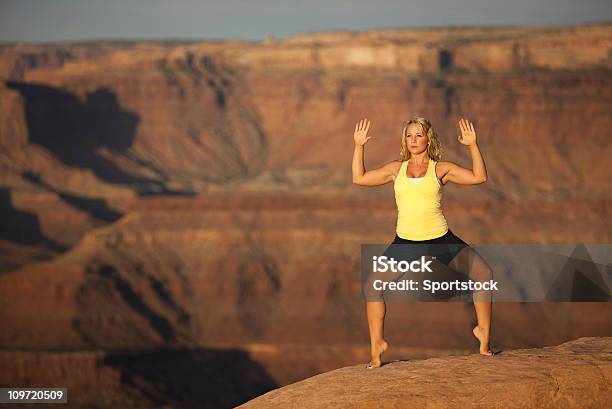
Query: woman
pixel 418 178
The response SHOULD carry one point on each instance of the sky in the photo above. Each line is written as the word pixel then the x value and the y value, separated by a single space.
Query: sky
pixel 82 20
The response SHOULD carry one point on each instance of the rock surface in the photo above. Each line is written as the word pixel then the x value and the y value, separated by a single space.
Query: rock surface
pixel 576 374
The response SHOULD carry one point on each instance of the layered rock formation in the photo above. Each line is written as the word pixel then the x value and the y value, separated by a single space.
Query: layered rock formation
pixel 199 194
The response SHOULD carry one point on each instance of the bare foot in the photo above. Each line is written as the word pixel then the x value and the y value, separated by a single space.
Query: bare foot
pixel 377 351
pixel 483 337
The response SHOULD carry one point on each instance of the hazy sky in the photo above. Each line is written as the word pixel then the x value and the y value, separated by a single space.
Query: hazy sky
pixel 70 20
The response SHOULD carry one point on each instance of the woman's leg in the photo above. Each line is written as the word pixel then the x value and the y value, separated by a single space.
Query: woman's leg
pixel 471 263
pixel 375 310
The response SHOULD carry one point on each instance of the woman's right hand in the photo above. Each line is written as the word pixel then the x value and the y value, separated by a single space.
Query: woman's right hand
pixel 361 132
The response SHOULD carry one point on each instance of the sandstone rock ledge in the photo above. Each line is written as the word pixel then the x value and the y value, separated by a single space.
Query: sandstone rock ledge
pixel 576 374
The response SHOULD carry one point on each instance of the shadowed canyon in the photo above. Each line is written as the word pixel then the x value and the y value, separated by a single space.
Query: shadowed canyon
pixel 185 211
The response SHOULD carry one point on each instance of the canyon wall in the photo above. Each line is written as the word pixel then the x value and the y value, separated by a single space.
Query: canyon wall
pixel 199 194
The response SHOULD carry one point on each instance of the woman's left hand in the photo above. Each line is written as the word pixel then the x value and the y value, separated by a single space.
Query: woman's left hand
pixel 468 134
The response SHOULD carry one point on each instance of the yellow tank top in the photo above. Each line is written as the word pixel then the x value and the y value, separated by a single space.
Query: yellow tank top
pixel 419 212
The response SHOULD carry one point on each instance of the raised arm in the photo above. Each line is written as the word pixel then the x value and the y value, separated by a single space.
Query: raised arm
pixel 375 177
pixel 457 174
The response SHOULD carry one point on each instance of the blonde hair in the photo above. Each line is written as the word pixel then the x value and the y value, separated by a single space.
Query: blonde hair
pixel 434 149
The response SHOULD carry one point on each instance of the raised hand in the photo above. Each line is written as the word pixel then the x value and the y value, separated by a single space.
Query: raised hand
pixel 468 134
pixel 361 132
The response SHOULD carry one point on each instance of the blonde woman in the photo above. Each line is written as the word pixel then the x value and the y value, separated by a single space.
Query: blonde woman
pixel 418 177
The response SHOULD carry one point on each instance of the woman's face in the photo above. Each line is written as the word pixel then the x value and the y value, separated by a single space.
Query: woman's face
pixel 416 139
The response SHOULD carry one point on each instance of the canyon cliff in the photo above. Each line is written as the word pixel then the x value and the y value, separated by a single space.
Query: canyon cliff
pixel 199 195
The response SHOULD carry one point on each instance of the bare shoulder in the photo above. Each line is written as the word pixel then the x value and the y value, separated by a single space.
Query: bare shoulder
pixel 393 167
pixel 442 169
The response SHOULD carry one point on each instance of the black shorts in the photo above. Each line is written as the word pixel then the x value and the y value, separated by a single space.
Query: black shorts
pixel 444 248
pixel 440 250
